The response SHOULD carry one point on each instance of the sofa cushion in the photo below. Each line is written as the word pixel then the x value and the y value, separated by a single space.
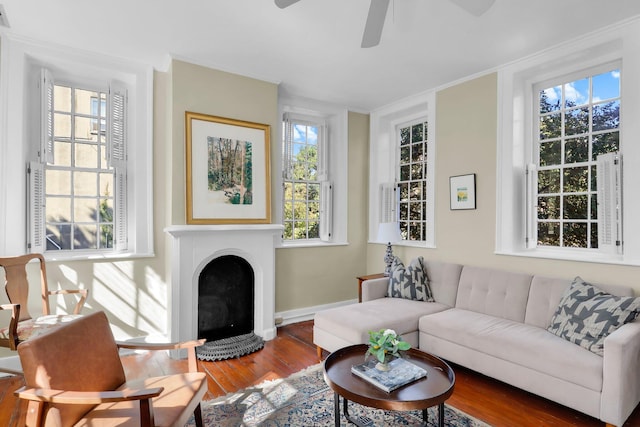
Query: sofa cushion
pixel 586 315
pixel 409 282
pixel 516 342
pixel 352 323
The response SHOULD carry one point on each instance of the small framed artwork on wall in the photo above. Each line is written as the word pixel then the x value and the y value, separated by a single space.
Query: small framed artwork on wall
pixel 463 192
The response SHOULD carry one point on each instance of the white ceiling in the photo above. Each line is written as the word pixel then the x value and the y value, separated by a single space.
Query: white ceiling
pixel 312 48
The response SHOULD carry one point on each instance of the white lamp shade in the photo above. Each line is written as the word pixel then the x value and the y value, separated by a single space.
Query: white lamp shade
pixel 389 232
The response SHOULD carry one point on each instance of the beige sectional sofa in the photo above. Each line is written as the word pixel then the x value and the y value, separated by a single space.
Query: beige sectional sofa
pixel 495 322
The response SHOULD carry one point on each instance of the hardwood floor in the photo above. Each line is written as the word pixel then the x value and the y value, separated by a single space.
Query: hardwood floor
pixel 292 350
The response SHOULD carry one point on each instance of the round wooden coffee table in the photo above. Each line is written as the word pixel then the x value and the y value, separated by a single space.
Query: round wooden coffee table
pixel 421 394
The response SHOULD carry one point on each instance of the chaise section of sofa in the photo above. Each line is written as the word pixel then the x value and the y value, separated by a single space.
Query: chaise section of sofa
pixel 347 325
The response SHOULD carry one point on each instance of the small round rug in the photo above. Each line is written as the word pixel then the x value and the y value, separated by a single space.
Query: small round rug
pixel 228 348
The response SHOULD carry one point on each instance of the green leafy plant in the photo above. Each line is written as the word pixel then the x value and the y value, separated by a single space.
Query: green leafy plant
pixel 385 344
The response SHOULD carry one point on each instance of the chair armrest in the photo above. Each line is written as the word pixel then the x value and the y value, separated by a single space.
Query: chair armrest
pixel 189 345
pixel 86 397
pixel 374 288
pixel 84 293
pixel 13 324
pixel 620 386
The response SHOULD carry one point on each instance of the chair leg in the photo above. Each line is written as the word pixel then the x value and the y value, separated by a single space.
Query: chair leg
pixel 197 413
pixel 319 352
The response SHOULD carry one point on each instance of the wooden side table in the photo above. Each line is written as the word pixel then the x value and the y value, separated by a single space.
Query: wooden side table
pixel 366 277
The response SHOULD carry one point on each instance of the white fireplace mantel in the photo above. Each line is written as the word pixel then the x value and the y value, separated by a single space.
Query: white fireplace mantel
pixel 194 246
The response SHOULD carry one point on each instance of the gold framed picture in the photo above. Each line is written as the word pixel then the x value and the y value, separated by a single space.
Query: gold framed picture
pixel 227 170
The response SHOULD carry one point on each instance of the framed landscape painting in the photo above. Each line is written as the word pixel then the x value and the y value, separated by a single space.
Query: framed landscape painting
pixel 228 179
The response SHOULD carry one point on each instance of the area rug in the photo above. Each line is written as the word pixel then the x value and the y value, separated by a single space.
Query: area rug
pixel 304 399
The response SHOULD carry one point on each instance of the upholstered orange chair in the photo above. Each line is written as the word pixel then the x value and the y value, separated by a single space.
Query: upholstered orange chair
pixel 22 325
pixel 74 376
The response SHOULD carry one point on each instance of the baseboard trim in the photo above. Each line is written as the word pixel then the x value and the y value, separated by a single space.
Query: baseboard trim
pixel 307 313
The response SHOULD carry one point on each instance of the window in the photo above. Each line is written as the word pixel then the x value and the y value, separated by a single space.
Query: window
pixel 402 169
pixel 412 182
pixel 306 189
pixel 80 178
pixel 578 121
pixel 103 86
pixel 567 157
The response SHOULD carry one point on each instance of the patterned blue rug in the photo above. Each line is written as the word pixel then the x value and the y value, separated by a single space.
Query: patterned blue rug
pixel 304 399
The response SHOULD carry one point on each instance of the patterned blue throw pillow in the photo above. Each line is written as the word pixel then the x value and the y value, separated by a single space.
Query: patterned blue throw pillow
pixel 586 315
pixel 410 282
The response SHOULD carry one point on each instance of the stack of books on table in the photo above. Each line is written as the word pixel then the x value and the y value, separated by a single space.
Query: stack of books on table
pixel 401 372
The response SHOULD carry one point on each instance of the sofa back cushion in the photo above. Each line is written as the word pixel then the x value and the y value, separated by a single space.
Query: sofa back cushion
pixel 495 292
pixel 443 280
pixel 545 295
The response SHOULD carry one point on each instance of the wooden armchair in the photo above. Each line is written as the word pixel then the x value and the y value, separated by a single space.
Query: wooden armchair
pixel 74 376
pixel 22 325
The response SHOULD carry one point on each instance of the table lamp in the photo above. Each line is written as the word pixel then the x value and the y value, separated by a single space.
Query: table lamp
pixel 389 232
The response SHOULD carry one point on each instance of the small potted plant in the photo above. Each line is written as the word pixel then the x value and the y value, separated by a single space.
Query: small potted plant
pixel 385 344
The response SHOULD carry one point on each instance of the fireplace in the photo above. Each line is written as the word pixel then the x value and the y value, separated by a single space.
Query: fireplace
pixel 196 246
pixel 226 298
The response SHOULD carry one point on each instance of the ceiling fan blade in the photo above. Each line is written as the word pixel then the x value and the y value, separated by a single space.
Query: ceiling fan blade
pixel 285 3
pixel 475 7
pixel 375 22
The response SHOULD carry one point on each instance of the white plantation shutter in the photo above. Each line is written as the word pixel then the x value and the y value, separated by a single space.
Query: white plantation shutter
pixel 46 116
pixel 323 153
pixel 120 235
pixel 608 170
pixel 326 211
pixel 287 148
pixel 388 202
pixel 531 238
pixel 37 232
pixel 117 124
pixel 117 157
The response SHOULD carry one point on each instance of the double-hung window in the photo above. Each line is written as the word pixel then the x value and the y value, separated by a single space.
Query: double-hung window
pixel 412 182
pixel 402 170
pixel 576 189
pixel 307 191
pixel 78 185
pixel 407 200
pixel 567 157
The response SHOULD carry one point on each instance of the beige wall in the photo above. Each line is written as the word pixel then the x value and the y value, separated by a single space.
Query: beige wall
pixel 216 93
pixel 466 135
pixel 304 276
pixel 307 277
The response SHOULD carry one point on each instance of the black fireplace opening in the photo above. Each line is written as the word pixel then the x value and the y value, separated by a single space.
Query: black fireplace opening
pixel 226 290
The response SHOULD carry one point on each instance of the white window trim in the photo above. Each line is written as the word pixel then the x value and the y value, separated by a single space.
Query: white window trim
pixel 515 82
pixel 383 157
pixel 336 119
pixel 19 60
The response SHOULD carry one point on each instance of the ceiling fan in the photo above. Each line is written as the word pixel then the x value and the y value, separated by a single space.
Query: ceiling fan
pixel 378 12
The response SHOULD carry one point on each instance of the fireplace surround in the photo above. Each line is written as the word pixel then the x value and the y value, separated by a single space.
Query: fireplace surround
pixel 195 246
